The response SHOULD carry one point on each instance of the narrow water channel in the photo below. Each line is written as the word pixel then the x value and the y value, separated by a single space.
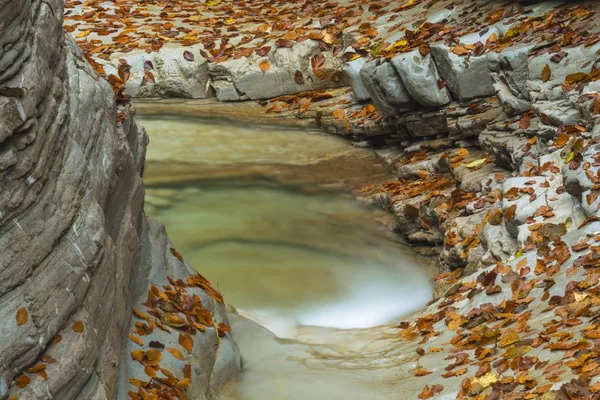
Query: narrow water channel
pixel 268 215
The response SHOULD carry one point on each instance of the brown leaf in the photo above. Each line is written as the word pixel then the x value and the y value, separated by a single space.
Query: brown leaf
pixel 596 106
pixel 263 51
pixel 177 256
pixel 149 77
pixel 509 214
pixel 424 49
pixel 317 61
pixel 576 78
pixel 222 329
pixel 78 327
pixel 57 339
pixel 299 78
pixel 186 341
pixel 546 73
pixel 188 55
pixel 22 381
pixel 22 316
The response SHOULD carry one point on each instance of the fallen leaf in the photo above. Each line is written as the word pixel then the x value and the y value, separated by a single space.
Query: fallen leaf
pixel 476 163
pixel 78 327
pixel 186 341
pixel 22 316
pixel 264 65
pixel 175 353
pixel 546 73
pixel 22 381
pixel 339 114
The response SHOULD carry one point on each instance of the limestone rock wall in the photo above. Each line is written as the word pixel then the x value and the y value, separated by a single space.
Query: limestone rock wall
pixel 71 217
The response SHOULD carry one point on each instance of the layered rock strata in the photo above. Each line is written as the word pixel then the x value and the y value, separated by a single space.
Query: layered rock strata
pixel 76 251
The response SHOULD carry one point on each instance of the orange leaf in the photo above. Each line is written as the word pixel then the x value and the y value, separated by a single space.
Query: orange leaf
pixel 136 339
pixel 222 329
pixel 22 316
pixel 78 327
pixel 175 353
pixel 339 114
pixel 183 384
pixel 264 65
pixel 186 341
pixel 22 381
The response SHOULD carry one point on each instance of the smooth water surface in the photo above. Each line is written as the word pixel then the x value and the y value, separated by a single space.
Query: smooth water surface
pixel 285 254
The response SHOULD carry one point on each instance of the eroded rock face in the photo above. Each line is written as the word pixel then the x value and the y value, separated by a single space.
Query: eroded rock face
pixel 72 230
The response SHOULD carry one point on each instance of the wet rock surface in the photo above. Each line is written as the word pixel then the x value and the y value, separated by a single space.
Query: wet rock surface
pixel 73 235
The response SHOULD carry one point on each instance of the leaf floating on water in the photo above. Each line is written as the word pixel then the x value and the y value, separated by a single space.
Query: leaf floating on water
pixel 188 55
pixel 22 316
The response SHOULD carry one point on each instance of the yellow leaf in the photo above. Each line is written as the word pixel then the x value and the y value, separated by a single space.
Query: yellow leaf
pixel 476 163
pixel 508 338
pixel 397 45
pixel 486 380
pixel 83 34
pixel 580 296
pixel 570 157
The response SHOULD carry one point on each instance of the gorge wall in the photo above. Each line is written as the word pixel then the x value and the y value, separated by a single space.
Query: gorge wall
pixel 76 251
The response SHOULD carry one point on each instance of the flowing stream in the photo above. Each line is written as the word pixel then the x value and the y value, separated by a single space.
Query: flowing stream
pixel 268 215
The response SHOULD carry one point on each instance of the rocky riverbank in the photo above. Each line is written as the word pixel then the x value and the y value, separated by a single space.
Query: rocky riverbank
pixel 486 111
